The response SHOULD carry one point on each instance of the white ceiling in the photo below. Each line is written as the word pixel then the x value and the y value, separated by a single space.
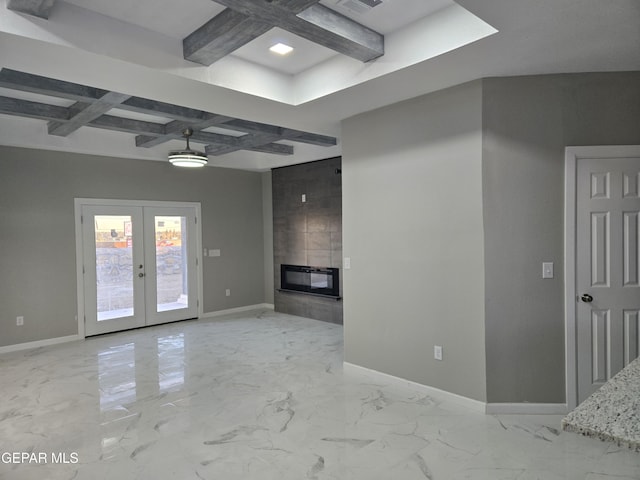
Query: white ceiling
pixel 305 54
pixel 135 48
pixel 176 19
pixel 179 19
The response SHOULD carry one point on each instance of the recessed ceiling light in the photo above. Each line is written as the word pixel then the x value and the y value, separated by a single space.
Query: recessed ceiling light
pixel 281 49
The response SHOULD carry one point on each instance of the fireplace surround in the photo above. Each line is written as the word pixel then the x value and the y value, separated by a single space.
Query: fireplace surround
pixel 307 231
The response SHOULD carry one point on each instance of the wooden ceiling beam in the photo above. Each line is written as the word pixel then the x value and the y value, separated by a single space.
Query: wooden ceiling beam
pixel 176 128
pixel 28 82
pixel 82 113
pixel 243 143
pixel 92 104
pixel 220 36
pixel 228 143
pixel 38 8
pixel 44 111
pixel 126 125
pixel 273 12
pixel 25 108
pixel 161 109
pixel 330 29
pixel 255 143
pixel 313 139
pixel 283 133
pixel 215 141
pixel 245 20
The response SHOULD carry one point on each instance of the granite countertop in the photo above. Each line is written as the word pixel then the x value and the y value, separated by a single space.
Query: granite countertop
pixel 613 412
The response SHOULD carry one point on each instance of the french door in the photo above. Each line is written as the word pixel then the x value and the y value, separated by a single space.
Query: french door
pixel 139 265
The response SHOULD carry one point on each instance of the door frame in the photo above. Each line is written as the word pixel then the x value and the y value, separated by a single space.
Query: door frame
pixel 80 202
pixel 572 155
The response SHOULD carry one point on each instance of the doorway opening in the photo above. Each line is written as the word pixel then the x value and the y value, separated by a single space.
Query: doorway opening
pixel 137 264
pixel 602 266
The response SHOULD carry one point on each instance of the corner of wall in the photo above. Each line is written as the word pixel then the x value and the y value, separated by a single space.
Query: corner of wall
pixel 267 223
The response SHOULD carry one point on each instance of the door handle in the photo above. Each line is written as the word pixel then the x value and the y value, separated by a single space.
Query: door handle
pixel 141 274
pixel 586 298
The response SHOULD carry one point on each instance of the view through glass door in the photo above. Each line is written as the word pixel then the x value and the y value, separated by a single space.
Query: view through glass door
pixel 139 266
pixel 170 264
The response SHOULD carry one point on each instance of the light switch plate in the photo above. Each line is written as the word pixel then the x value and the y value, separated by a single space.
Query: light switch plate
pixel 547 270
pixel 347 263
pixel 437 352
pixel 214 252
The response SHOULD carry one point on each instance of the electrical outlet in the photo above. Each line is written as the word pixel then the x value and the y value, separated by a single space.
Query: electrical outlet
pixel 19 321
pixel 437 352
pixel 228 292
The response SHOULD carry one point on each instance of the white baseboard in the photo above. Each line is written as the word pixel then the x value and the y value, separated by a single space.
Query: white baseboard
pixel 40 343
pixel 71 338
pixel 221 313
pixel 476 405
pixel 527 408
pixel 470 403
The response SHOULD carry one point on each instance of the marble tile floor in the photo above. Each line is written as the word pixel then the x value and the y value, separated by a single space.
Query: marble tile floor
pixel 259 396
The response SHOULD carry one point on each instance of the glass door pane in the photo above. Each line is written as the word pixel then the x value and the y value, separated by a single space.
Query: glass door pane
pixel 114 274
pixel 114 266
pixel 170 252
pixel 172 285
pixel 139 265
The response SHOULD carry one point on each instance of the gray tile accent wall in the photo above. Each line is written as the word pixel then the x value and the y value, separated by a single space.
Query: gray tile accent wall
pixel 308 233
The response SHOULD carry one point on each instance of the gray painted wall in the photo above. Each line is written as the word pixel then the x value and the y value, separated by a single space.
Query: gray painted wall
pixel 527 122
pixel 37 239
pixel 414 199
pixel 412 219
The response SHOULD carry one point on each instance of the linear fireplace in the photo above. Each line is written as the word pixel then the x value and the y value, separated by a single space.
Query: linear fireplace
pixel 314 280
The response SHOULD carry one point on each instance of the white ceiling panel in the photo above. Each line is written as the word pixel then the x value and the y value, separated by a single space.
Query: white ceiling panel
pixel 176 19
pixel 305 54
pixel 144 117
pixel 224 131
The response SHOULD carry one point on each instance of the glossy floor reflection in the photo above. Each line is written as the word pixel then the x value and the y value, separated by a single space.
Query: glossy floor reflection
pixel 260 396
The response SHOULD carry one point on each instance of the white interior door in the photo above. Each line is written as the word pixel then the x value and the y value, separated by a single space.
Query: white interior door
pixel 607 268
pixel 139 265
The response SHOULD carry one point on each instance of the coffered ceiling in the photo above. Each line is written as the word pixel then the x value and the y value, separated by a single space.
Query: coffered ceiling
pixel 212 57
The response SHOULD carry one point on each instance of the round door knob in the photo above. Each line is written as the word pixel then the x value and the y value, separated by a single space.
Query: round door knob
pixel 141 275
pixel 586 298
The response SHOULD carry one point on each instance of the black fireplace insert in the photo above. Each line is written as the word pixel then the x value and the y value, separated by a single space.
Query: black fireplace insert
pixel 306 279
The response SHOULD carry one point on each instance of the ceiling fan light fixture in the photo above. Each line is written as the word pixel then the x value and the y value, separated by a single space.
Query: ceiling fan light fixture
pixel 281 49
pixel 188 158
